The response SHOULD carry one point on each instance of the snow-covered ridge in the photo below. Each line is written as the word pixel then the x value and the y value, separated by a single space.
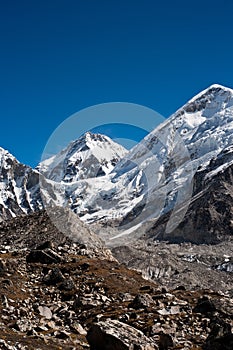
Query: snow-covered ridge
pixel 102 182
pixel 92 155
pixel 156 175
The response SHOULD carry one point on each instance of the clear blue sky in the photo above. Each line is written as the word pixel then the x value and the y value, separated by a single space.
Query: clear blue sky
pixel 59 56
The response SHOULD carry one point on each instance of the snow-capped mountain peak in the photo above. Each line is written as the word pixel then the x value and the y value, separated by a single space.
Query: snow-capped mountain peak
pixel 92 155
pixel 209 94
pixel 214 99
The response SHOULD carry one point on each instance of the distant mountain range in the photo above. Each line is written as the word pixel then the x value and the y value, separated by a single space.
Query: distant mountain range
pixel 176 184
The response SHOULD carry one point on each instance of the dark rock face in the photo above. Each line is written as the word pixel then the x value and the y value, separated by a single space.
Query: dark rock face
pixel 19 187
pixel 165 341
pixel 222 343
pixel 209 218
pixel 46 256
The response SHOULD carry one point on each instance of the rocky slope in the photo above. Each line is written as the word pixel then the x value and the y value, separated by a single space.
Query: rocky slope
pixel 171 264
pixel 58 293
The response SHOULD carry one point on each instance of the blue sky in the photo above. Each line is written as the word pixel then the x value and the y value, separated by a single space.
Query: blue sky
pixel 58 57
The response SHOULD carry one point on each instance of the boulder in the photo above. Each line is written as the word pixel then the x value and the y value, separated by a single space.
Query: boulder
pixel 165 341
pixel 46 256
pixel 45 245
pixel 45 312
pixel 220 337
pixel 115 335
pixel 54 277
pixel 204 306
pixel 142 301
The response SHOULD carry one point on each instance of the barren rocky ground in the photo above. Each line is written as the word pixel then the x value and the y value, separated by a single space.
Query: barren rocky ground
pixel 191 265
pixel 56 293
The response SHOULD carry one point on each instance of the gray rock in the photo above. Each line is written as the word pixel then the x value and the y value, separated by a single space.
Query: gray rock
pixel 173 310
pixel 45 312
pixel 115 335
pixel 67 285
pixel 77 327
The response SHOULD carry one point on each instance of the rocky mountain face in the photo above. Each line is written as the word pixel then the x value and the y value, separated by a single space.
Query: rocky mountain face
pixel 19 187
pixel 209 218
pixel 58 293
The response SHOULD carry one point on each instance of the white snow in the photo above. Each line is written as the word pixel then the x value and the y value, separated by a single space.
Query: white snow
pixel 83 158
pixel 153 177
pixel 157 172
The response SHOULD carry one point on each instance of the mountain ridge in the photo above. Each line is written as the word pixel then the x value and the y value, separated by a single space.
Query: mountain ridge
pixel 132 190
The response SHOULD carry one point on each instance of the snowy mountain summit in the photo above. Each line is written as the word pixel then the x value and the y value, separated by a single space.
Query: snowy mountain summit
pixel 92 155
pixel 157 189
